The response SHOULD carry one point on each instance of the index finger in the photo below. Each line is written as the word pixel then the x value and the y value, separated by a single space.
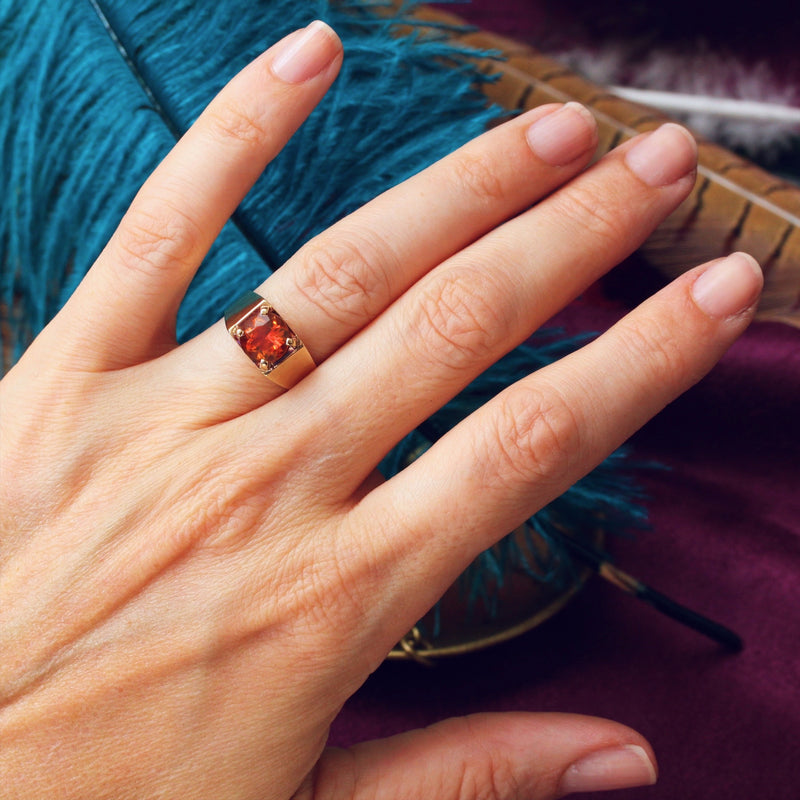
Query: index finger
pixel 130 297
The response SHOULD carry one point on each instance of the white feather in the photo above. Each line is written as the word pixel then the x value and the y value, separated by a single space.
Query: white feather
pixel 740 105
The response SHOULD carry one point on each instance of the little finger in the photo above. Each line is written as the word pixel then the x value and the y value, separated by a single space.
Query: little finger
pixel 529 444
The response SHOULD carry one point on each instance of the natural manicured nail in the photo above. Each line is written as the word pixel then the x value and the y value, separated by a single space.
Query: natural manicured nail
pixel 729 286
pixel 560 137
pixel 306 53
pixel 664 156
pixel 615 768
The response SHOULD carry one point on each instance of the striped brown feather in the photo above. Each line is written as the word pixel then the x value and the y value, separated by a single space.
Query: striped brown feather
pixel 735 204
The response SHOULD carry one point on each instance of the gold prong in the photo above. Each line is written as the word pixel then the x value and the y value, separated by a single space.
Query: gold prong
pixel 237 333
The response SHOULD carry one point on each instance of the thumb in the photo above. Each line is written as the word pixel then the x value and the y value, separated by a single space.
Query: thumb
pixel 487 756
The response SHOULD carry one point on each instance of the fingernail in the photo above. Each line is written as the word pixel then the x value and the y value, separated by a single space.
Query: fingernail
pixel 615 768
pixel 306 53
pixel 729 286
pixel 559 138
pixel 664 156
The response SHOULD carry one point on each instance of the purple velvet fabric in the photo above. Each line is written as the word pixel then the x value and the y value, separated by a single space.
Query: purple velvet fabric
pixel 726 541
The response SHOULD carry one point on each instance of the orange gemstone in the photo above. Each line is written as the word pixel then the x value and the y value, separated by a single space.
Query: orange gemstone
pixel 264 337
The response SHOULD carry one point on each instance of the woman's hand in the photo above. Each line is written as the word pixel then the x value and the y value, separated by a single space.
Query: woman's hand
pixel 199 568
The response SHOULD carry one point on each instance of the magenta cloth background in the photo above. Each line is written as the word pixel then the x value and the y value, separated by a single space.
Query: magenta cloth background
pixel 726 541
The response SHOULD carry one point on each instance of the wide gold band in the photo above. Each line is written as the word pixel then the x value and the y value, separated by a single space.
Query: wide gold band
pixel 292 369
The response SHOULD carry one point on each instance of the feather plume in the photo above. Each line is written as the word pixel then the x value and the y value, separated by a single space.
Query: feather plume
pixel 743 106
pixel 93 94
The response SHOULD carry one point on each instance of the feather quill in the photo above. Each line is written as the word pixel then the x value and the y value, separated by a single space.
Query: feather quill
pixel 708 105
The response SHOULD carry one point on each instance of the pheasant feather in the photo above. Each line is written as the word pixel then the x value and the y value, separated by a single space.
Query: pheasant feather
pixel 735 205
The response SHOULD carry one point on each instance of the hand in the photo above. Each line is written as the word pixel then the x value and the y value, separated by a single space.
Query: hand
pixel 198 568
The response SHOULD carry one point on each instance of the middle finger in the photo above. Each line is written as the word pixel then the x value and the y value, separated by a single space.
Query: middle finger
pixel 481 303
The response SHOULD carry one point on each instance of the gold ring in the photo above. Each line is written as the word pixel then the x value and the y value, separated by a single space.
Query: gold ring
pixel 267 340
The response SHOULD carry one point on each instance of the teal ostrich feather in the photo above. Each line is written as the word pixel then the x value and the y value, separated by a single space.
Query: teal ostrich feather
pixel 94 93
pixel 84 125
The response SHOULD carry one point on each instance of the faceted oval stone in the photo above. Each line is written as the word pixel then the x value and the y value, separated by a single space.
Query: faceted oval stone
pixel 264 337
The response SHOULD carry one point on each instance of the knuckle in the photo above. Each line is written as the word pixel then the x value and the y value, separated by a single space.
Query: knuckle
pixel 455 320
pixel 536 436
pixel 476 174
pixel 154 243
pixel 487 773
pixel 331 595
pixel 655 349
pixel 497 781
pixel 347 277
pixel 340 585
pixel 337 583
pixel 334 592
pixel 589 208
pixel 232 122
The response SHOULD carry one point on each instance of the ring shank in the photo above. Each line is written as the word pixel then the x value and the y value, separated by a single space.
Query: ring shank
pixel 293 369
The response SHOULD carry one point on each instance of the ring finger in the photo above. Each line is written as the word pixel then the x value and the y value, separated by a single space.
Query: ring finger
pixel 345 277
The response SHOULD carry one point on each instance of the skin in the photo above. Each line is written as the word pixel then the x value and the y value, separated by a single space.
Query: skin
pixel 197 568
